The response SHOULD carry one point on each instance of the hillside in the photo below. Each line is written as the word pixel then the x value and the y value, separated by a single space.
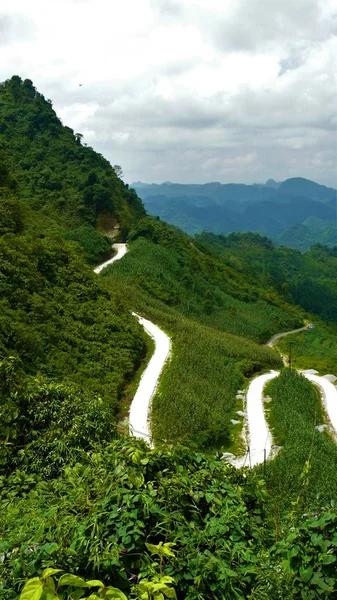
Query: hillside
pixel 308 280
pixel 288 212
pixel 77 494
pixel 64 184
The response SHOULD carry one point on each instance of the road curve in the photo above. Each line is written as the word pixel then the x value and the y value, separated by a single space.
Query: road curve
pixel 278 336
pixel 139 425
pixel 260 439
pixel 259 436
pixel 141 404
pixel 328 393
pixel 121 250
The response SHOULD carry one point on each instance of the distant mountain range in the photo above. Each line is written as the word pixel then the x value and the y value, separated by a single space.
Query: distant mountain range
pixel 296 212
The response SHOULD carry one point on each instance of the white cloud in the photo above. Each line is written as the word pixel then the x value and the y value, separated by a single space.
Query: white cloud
pixel 194 90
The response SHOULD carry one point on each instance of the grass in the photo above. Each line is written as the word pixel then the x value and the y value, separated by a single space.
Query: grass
pixel 312 349
pixel 196 398
pixel 203 288
pixel 295 410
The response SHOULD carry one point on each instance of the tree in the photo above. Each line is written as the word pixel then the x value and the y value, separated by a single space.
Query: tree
pixel 118 170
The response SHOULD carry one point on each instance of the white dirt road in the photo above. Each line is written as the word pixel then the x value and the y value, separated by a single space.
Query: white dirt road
pixel 328 393
pixel 139 425
pixel 259 436
pixel 140 409
pixel 278 336
pixel 121 251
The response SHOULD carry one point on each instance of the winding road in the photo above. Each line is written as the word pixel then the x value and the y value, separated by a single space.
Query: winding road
pixel 139 415
pixel 259 435
pixel 278 336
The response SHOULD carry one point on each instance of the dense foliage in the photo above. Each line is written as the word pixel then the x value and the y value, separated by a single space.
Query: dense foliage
pixel 74 495
pixel 308 280
pixel 66 182
pixel 305 465
pixel 57 318
pixel 312 349
pixel 201 303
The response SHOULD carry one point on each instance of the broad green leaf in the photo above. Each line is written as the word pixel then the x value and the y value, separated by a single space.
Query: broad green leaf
pixel 114 593
pixel 170 593
pixel 166 579
pixel 78 594
pixel 167 551
pixel 33 589
pixel 152 548
pixel 50 584
pixel 74 580
pixel 49 572
pixel 94 583
pixel 306 573
pixel 328 559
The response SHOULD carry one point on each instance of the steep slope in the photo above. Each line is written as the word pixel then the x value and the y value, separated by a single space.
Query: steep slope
pixel 65 184
pixel 214 316
pixel 308 280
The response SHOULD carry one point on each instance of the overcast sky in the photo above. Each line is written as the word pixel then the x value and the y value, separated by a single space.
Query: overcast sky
pixel 186 90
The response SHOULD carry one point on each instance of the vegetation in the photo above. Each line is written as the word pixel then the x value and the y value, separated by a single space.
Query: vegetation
pixel 208 365
pixel 308 280
pixel 59 321
pixel 66 183
pixel 312 349
pixel 304 468
pixel 80 505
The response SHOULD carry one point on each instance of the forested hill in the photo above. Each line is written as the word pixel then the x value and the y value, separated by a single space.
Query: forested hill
pixel 66 183
pixel 297 213
pixel 76 492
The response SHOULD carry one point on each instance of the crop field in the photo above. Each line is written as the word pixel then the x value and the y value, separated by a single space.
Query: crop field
pixel 304 471
pixel 312 349
pixel 202 287
pixel 196 397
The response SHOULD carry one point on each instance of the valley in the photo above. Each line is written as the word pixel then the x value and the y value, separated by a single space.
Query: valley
pixel 185 335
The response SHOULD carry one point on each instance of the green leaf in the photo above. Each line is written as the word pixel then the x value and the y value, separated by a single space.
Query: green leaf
pixel 49 572
pixel 94 583
pixel 50 584
pixel 78 594
pixel 74 580
pixel 328 559
pixel 152 548
pixel 166 579
pixel 112 592
pixel 170 593
pixel 33 589
pixel 306 573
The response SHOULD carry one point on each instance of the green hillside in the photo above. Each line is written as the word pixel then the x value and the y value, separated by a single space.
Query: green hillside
pixel 77 495
pixel 308 280
pixel 65 184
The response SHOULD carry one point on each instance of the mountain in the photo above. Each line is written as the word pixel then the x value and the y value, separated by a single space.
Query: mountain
pixel 83 503
pixel 64 184
pixel 274 209
pixel 308 189
pixel 273 184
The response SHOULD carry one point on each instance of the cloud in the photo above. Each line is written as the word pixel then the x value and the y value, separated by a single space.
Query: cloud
pixel 13 26
pixel 193 90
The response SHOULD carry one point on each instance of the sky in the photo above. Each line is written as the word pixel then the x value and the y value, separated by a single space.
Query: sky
pixel 188 91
